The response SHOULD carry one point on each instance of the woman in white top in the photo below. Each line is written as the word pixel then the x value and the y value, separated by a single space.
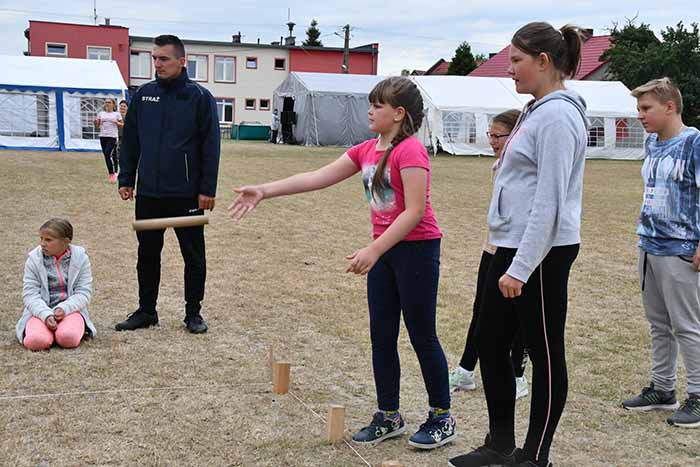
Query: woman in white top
pixel 109 121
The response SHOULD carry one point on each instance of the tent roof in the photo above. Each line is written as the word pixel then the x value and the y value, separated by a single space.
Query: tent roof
pixel 337 83
pixel 604 98
pixel 55 72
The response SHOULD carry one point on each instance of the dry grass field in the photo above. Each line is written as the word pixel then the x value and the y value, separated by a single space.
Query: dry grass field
pixel 163 397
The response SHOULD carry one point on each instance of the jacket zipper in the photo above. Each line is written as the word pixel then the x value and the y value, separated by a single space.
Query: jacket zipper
pixel 187 169
pixel 61 281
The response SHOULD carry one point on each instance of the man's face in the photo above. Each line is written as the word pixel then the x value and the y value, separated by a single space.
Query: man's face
pixel 165 60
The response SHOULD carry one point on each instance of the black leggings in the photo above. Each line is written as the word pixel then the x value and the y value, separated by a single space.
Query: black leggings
pixel 541 314
pixel 109 149
pixel 470 355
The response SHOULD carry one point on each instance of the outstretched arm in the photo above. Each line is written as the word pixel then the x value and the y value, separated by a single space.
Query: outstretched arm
pixel 250 196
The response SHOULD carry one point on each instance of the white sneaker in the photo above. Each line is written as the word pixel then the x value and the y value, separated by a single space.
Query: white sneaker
pixel 521 387
pixel 462 380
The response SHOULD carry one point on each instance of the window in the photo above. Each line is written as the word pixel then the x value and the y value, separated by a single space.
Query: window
pixel 280 63
pixel 459 127
pixel 629 133
pixel 224 69
pixel 56 50
pixel 24 114
pixel 140 64
pixel 596 133
pixel 225 108
pixel 197 67
pixel 251 63
pixel 89 108
pixel 264 104
pixel 250 104
pixel 99 53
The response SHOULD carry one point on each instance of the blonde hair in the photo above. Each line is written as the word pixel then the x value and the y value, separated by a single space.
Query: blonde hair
pixel 61 227
pixel 663 90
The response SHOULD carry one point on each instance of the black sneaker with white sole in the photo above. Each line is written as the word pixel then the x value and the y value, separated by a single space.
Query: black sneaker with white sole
pixel 380 428
pixel 484 456
pixel 688 416
pixel 652 399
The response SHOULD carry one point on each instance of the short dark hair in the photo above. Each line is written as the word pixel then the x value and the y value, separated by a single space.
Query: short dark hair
pixel 123 101
pixel 508 118
pixel 169 39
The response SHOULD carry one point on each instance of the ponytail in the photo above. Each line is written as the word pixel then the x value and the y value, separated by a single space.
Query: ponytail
pixel 563 46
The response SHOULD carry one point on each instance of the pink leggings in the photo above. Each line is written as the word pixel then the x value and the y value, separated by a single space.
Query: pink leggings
pixel 37 336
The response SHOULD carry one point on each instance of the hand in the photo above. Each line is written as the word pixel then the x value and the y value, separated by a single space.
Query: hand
pixel 59 314
pixel 247 199
pixel 51 323
pixel 509 286
pixel 696 260
pixel 126 192
pixel 206 202
pixel 362 261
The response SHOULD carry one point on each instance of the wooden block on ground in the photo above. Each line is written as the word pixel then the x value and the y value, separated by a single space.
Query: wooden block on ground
pixel 392 464
pixel 336 423
pixel 280 377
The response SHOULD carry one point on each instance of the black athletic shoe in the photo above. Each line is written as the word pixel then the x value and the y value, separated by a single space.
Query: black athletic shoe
pixel 533 464
pixel 137 320
pixel 483 456
pixel 652 399
pixel 196 324
pixel 688 416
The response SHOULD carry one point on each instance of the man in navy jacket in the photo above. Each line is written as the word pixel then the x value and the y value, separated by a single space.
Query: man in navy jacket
pixel 170 153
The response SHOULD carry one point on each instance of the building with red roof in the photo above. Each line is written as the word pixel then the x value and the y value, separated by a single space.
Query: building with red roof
pixel 592 67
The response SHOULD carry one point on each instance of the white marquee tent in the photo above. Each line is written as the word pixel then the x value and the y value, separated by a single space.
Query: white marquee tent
pixel 459 110
pixel 331 109
pixel 51 103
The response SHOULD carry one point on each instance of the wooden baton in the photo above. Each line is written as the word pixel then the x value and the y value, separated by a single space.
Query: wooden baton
pixel 165 222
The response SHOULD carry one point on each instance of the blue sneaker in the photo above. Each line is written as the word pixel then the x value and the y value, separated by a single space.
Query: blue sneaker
pixel 381 428
pixel 437 431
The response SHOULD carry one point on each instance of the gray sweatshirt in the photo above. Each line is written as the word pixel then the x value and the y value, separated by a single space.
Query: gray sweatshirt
pixel 536 200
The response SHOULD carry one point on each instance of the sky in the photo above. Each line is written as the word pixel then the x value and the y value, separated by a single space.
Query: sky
pixel 411 34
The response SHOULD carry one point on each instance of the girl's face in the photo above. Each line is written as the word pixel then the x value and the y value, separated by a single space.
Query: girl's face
pixel 525 70
pixel 384 118
pixel 498 134
pixel 122 108
pixel 109 105
pixel 51 244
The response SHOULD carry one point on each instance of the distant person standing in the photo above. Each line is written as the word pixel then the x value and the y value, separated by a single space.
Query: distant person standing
pixel 274 126
pixel 109 121
pixel 171 147
pixel 123 107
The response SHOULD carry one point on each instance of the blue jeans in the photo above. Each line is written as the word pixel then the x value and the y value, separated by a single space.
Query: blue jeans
pixel 406 279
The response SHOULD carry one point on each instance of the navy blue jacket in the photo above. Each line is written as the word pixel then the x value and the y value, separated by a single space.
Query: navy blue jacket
pixel 171 137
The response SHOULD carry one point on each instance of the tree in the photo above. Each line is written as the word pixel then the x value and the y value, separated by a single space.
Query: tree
pixel 638 56
pixel 312 35
pixel 463 62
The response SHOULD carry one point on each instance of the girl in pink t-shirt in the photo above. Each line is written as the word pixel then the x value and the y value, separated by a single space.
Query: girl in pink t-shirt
pixel 402 262
pixel 109 121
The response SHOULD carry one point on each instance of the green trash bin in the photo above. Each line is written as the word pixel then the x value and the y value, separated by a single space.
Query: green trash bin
pixel 250 131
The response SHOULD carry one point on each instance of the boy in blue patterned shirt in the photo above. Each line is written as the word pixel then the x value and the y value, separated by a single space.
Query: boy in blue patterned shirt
pixel 669 261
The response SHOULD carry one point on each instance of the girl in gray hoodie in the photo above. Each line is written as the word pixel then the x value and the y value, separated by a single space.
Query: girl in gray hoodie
pixel 534 221
pixel 57 290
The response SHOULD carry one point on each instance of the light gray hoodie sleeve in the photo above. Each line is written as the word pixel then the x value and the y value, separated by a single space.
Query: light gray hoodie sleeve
pixel 31 292
pixel 555 148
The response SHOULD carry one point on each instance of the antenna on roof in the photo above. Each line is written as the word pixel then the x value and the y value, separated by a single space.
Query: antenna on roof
pixel 94 10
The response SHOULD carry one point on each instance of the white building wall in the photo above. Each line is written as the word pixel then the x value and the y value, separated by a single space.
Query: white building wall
pixel 254 84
